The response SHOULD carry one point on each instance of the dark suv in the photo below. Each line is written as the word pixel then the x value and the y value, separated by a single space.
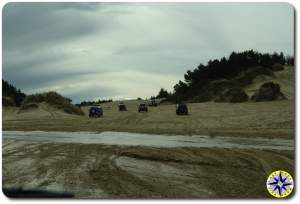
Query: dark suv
pixel 122 107
pixel 182 109
pixel 143 108
pixel 95 112
pixel 152 102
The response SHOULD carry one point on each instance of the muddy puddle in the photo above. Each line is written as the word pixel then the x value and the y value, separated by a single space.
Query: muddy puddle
pixel 150 140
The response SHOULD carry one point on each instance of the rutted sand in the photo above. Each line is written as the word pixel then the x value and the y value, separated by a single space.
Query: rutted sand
pixel 94 170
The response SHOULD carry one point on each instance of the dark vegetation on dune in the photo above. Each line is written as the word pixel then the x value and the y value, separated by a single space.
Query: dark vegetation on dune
pixel 92 103
pixel 268 92
pixel 53 99
pixel 11 96
pixel 224 79
pixel 220 80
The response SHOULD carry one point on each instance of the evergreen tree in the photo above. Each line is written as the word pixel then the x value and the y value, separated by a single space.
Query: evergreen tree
pixel 9 90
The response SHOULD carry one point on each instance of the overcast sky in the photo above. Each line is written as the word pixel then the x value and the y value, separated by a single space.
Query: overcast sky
pixel 88 51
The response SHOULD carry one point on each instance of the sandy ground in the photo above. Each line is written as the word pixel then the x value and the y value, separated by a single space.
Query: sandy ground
pixel 264 119
pixel 93 170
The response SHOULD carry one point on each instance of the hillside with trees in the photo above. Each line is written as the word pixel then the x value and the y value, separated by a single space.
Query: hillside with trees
pixel 208 82
pixel 11 95
pixel 162 93
pixel 92 103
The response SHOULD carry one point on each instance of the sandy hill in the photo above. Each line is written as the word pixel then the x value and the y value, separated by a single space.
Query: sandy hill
pixel 285 78
pixel 268 119
pixel 41 111
pixel 44 105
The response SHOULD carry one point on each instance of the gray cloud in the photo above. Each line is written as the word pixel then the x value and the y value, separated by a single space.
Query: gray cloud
pixel 115 50
pixel 36 25
pixel 93 93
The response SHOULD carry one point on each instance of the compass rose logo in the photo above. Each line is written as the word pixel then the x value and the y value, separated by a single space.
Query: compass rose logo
pixel 280 184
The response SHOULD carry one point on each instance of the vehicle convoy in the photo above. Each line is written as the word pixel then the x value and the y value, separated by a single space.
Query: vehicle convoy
pixel 182 109
pixel 143 108
pixel 152 102
pixel 122 107
pixel 95 112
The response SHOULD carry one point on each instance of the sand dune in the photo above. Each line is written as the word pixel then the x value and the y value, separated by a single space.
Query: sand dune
pixel 44 111
pixel 269 119
pixel 285 78
pixel 118 171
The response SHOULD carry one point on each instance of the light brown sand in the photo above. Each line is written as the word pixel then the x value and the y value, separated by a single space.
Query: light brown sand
pixel 266 119
pixel 91 170
pixel 263 119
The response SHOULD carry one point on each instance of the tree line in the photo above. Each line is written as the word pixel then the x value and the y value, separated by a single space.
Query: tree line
pixel 197 80
pixel 92 103
pixel 14 93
